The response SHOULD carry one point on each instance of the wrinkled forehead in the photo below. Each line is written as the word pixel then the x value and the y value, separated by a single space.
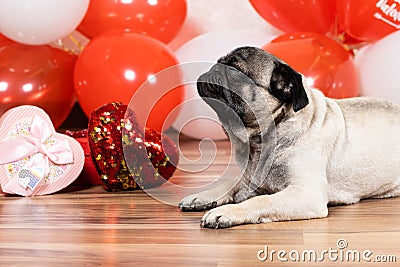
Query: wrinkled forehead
pixel 254 62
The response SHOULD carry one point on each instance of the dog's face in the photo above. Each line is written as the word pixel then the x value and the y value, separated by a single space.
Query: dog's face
pixel 251 81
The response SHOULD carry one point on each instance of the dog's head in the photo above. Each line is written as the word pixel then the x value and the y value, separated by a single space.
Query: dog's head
pixel 249 80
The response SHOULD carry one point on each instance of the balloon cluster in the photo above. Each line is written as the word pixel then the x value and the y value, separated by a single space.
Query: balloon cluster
pixel 127 47
pixel 322 38
pixel 356 20
pixel 38 75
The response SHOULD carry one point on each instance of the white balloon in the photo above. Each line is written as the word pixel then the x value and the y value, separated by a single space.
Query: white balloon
pixel 378 65
pixel 196 119
pixel 37 22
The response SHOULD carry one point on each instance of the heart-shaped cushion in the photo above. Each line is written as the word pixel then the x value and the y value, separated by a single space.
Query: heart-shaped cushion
pixel 34 158
pixel 128 156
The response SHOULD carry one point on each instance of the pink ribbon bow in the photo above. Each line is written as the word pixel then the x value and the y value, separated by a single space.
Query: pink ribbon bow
pixel 34 145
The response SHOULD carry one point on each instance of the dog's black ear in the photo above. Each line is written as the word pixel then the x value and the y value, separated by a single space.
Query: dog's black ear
pixel 286 84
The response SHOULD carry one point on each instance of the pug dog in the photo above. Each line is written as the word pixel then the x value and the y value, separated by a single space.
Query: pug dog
pixel 299 151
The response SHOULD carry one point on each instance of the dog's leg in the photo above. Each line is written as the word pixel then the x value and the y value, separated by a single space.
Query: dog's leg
pixel 293 203
pixel 220 195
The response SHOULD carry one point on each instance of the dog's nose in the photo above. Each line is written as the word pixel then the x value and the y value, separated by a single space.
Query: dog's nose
pixel 218 68
pixel 224 70
pixel 210 84
pixel 221 68
pixel 202 85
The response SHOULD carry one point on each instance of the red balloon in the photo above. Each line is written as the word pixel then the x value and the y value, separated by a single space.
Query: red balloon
pixel 328 66
pixel 368 20
pixel 37 75
pixel 160 19
pixel 292 15
pixel 4 40
pixel 116 64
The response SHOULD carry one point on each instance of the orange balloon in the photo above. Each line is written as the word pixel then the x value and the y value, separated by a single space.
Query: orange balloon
pixel 296 15
pixel 160 19
pixel 115 65
pixel 37 75
pixel 368 20
pixel 328 66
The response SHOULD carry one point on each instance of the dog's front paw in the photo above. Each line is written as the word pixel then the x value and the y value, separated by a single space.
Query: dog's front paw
pixel 196 202
pixel 223 217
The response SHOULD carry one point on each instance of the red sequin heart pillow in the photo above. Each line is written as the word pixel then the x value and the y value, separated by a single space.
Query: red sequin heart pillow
pixel 126 155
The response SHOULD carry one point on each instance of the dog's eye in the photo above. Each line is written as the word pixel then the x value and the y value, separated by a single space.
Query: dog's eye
pixel 233 60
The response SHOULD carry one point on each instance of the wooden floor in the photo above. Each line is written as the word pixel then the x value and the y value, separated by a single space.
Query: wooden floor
pixel 91 227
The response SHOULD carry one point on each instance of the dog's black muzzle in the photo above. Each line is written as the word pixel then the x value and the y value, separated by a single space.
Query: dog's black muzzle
pixel 213 83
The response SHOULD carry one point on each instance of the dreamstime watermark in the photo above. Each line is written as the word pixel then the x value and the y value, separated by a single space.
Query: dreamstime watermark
pixel 340 253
